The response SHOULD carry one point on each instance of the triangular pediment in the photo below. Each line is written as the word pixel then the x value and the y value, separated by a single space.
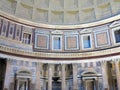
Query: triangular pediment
pixel 115 24
pixel 86 31
pixel 57 32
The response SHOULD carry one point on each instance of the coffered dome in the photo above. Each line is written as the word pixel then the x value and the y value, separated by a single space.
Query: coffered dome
pixel 61 11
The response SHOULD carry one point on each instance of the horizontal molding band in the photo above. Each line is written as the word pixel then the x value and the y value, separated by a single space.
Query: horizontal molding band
pixel 60 56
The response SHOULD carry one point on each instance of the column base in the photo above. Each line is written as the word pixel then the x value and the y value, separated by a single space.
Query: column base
pixel 5 89
pixel 106 88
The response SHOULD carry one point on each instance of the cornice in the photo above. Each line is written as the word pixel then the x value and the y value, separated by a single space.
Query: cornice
pixel 60 56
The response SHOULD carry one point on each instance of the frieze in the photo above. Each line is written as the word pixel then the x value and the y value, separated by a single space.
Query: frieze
pixel 18 46
pixel 101 28
pixel 87 30
pixel 71 32
pixel 98 70
pixel 42 31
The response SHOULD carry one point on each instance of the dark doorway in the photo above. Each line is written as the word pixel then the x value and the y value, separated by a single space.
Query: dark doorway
pixel 56 85
pixel 2 72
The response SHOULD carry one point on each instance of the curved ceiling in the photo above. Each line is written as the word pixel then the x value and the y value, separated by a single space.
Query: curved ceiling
pixel 61 12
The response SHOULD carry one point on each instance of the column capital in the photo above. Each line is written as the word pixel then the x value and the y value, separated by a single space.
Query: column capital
pixel 104 62
pixel 63 65
pixel 74 64
pixel 117 60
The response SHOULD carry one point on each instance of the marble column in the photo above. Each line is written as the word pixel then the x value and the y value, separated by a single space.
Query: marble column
pixel 15 82
pixel 7 75
pixel 29 84
pixel 117 70
pixel 63 77
pixel 49 77
pixel 38 83
pixel 105 75
pixel 96 84
pixel 75 82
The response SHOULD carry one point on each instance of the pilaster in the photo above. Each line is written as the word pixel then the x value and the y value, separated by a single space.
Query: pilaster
pixel 105 75
pixel 117 70
pixel 63 77
pixel 38 83
pixel 7 73
pixel 75 82
pixel 49 77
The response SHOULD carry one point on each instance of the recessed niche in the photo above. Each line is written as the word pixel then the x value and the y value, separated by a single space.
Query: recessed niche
pixel 42 3
pixel 56 4
pixel 41 15
pixel 24 11
pixel 29 2
pixel 8 6
pixel 57 17
pixel 104 11
pixel 87 15
pixel 72 17
pixel 87 3
pixel 71 4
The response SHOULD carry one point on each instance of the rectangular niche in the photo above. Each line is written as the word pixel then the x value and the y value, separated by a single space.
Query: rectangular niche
pixel 41 15
pixel 72 17
pixel 24 11
pixel 18 32
pixel 11 30
pixel 104 11
pixel 57 42
pixel 42 3
pixel 4 28
pixel 88 15
pixel 8 6
pixel 56 4
pixel 57 17
pixel 101 38
pixel 71 4
pixel 71 42
pixel 86 41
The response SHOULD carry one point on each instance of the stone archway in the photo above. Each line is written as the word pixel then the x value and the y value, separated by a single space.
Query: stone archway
pixel 23 80
pixel 90 81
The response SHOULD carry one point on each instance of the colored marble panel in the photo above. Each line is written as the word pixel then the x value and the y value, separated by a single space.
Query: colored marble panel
pixel 71 42
pixel 42 41
pixel 102 38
